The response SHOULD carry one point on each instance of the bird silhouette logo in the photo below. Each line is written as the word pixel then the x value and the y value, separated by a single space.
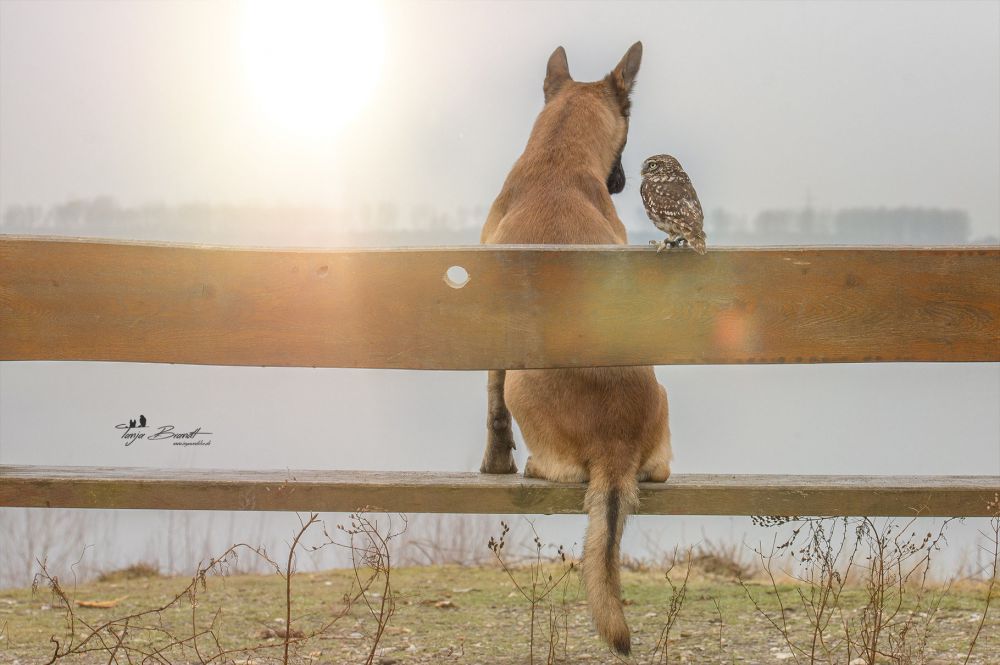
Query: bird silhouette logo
pixel 140 423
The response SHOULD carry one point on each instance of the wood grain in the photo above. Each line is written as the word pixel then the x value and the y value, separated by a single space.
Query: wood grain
pixel 424 492
pixel 524 307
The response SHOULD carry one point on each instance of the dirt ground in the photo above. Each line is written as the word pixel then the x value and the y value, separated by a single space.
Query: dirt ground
pixel 471 615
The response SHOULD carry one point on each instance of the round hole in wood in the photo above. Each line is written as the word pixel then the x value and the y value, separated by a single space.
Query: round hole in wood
pixel 456 277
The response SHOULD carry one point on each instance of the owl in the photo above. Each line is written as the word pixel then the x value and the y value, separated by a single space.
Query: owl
pixel 672 203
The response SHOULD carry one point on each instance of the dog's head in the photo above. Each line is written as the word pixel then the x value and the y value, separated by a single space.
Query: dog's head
pixel 612 93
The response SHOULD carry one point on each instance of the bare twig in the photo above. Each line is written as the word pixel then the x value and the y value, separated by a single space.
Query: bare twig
pixel 892 563
pixel 127 638
pixel 539 585
pixel 994 553
pixel 678 593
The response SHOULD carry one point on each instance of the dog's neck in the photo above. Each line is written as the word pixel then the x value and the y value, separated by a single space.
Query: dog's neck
pixel 556 139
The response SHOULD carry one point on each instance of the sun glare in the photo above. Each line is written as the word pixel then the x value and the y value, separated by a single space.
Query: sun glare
pixel 312 65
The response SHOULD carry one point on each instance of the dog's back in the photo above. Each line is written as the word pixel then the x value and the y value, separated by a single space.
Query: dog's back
pixel 602 425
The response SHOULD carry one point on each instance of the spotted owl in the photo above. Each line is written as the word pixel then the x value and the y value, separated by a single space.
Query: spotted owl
pixel 672 203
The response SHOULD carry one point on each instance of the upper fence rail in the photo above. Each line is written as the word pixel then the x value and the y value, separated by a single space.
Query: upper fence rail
pixel 522 307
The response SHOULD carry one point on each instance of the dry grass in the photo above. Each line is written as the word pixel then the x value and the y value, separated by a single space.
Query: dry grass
pixel 822 609
pixel 134 572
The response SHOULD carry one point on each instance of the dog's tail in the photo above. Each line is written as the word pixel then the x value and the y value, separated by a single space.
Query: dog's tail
pixel 611 495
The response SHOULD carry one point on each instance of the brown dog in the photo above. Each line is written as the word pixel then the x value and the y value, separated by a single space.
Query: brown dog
pixel 607 426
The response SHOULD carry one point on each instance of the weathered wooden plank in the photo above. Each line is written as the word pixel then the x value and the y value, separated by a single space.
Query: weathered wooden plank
pixel 414 492
pixel 539 306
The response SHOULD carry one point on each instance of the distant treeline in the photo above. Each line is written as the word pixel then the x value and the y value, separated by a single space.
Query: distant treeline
pixel 862 225
pixel 383 223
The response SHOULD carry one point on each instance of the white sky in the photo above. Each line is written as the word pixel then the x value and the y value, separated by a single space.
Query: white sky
pixel 894 103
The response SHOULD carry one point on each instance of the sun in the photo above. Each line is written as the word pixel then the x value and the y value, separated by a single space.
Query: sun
pixel 312 65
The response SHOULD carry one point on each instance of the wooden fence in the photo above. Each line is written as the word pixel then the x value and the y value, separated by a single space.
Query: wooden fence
pixel 521 307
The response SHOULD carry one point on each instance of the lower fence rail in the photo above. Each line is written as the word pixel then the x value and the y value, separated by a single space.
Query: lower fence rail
pixel 434 492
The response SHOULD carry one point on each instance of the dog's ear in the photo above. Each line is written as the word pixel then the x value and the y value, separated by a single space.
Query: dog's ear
pixel 556 74
pixel 622 78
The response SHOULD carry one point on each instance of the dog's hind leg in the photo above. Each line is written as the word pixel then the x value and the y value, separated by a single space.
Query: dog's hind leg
pixel 499 455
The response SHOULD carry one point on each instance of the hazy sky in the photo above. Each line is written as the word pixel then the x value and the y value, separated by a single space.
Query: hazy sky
pixel 765 103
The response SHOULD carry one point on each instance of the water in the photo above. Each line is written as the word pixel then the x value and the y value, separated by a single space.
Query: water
pixel 902 419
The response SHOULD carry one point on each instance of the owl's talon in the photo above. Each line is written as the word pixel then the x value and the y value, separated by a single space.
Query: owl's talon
pixel 659 244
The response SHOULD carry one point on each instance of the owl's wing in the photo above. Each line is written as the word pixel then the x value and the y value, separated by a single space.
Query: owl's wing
pixel 691 220
pixel 692 204
pixel 678 198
